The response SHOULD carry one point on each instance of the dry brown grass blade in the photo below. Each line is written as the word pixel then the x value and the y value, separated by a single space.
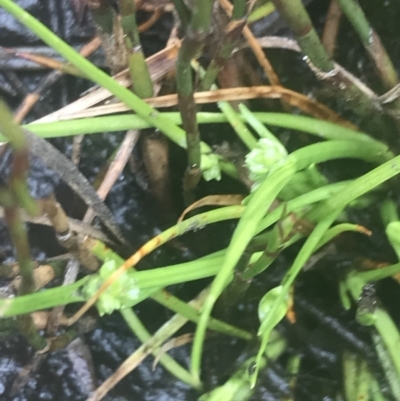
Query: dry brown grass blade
pixel 278 42
pixel 115 169
pixel 76 149
pixel 49 62
pixel 26 106
pixel 75 225
pixel 173 343
pixel 295 99
pixel 158 12
pixel 65 236
pixel 331 27
pixel 151 7
pixel 85 51
pixel 42 275
pixel 151 345
pixel 159 65
pixel 255 46
pixel 213 200
pixel 32 98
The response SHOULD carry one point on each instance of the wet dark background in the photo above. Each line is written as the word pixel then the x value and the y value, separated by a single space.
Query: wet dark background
pixel 323 329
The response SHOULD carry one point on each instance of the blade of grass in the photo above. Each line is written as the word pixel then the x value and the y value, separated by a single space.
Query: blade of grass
pixel 260 202
pixel 306 251
pixel 196 222
pixel 169 363
pixel 191 47
pixel 320 128
pixel 150 115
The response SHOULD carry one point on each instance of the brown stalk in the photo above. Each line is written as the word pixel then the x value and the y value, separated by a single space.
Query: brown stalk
pixel 159 65
pixel 171 344
pixel 115 169
pixel 150 8
pixel 75 225
pixel 42 275
pixel 50 63
pixel 32 98
pixel 213 200
pixel 158 12
pixel 27 285
pixel 151 345
pixel 331 27
pixel 295 99
pixel 257 49
pixel 65 236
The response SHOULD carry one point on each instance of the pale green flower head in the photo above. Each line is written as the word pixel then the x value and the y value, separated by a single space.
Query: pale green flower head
pixel 210 167
pixel 264 159
pixel 120 294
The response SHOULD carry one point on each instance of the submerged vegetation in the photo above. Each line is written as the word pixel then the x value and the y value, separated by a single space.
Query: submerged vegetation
pixel 292 199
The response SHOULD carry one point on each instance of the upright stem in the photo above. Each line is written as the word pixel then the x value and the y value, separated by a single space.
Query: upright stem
pixel 18 194
pixel 103 14
pixel 20 241
pixel 232 33
pixel 140 75
pixel 299 21
pixel 20 163
pixel 371 42
pixel 331 28
pixel 183 13
pixel 191 46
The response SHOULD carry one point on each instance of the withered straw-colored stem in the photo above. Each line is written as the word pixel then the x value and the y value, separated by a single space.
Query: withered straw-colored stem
pixel 255 47
pixel 331 28
pixel 163 333
pixel 232 33
pixel 65 236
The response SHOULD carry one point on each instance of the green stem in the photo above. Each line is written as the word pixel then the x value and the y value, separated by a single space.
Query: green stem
pixel 389 213
pixel 340 85
pixel 258 205
pixel 169 363
pixel 50 298
pixel 299 21
pixel 331 150
pixel 379 274
pixel 163 333
pixel 371 42
pixel 183 13
pixel 103 15
pixel 18 194
pixel 232 33
pixel 320 128
pixel 301 258
pixel 230 113
pixel 359 187
pixel 146 112
pixel 20 163
pixel 192 45
pixel 139 71
pixel 390 336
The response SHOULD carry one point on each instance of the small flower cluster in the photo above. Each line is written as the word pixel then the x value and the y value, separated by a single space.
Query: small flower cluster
pixel 267 156
pixel 122 293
